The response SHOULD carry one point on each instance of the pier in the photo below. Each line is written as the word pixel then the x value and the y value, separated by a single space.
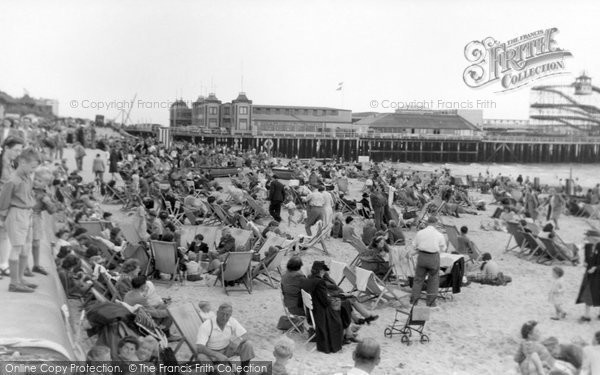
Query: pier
pixel 399 147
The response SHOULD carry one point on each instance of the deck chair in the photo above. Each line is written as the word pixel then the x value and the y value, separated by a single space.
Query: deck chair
pixel 188 322
pixel 93 228
pixel 165 257
pixel 336 272
pixel 371 287
pixel 297 322
pixel 258 210
pixel 107 282
pixel 459 245
pixel 138 252
pixel 554 251
pixel 263 270
pixel 536 246
pixel 236 267
pixel 211 235
pixel 113 195
pixel 243 239
pixel 514 229
pixel 360 247
pixel 223 216
pixel 308 311
pixel 316 240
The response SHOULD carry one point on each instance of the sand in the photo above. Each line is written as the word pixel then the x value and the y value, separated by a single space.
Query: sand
pixel 475 333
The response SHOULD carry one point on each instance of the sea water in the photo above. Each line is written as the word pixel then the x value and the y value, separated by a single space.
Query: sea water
pixel 586 175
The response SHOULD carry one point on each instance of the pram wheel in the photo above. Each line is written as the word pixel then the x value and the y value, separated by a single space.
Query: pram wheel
pixel 388 332
pixel 405 340
pixel 424 339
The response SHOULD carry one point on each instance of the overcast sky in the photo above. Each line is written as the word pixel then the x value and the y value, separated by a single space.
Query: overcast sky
pixel 289 52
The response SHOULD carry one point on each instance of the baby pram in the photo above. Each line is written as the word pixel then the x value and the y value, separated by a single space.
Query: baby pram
pixel 415 322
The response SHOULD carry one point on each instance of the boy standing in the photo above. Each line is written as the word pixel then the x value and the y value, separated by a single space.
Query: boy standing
pixel 16 207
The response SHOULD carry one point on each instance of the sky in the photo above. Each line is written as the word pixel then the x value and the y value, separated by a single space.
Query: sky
pixel 95 56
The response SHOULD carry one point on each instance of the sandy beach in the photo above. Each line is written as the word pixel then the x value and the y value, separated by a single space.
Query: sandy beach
pixel 475 333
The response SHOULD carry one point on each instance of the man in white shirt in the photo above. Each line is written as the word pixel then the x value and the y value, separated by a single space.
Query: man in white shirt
pixel 591 357
pixel 366 357
pixel 315 203
pixel 222 337
pixel 429 242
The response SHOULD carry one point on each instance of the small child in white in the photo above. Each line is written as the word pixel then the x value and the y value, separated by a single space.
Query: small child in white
pixel 283 352
pixel 557 293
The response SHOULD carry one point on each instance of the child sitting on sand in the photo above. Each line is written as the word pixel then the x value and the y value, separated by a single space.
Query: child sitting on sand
pixel 489 273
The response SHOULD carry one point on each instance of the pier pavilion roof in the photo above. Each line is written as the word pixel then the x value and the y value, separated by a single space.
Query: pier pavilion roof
pixel 418 121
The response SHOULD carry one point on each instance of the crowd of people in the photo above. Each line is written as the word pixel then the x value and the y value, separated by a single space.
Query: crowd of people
pixel 168 187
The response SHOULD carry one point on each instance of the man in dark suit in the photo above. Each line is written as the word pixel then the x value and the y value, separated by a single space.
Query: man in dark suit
pixel 276 196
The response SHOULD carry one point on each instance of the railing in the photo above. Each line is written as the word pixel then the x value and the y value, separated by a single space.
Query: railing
pixel 333 134
pixel 540 139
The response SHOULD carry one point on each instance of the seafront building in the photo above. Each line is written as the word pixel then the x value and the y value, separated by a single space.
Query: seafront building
pixel 561 128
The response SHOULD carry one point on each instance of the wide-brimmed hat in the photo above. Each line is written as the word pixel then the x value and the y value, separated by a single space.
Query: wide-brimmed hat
pixel 319 265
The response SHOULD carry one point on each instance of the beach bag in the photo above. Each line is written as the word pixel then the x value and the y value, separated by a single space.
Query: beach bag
pixel 285 324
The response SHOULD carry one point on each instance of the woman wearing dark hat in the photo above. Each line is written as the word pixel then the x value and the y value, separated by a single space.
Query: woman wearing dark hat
pixel 589 293
pixel 328 323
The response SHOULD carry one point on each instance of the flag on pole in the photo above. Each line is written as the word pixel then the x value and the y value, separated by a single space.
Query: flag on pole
pixel 340 86
pixel 164 137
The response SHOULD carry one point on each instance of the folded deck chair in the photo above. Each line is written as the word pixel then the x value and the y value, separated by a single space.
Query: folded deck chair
pixel 188 322
pixel 316 240
pixel 93 228
pixel 263 270
pixel 371 287
pixel 165 257
pixel 308 311
pixel 236 268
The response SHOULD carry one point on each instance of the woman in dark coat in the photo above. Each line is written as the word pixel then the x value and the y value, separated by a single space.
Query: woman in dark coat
pixel 113 160
pixel 589 293
pixel 329 327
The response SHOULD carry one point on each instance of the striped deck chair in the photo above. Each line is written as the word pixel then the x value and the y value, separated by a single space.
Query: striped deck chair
pixel 188 322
